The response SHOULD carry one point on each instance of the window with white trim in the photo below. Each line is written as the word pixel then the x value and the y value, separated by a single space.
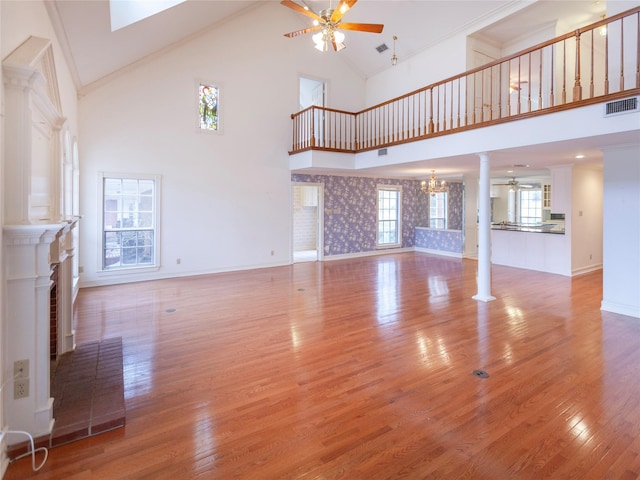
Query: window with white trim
pixel 438 210
pixel 389 216
pixel 129 221
pixel 531 206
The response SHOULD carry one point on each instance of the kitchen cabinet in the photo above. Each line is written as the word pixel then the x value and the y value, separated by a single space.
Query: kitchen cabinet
pixel 546 196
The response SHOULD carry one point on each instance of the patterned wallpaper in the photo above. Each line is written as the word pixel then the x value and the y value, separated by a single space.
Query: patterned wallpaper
pixel 350 210
pixel 443 240
pixel 455 202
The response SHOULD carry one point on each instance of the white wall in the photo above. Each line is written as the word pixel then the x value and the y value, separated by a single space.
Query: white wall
pixel 586 218
pixel 621 203
pixel 226 198
pixel 417 72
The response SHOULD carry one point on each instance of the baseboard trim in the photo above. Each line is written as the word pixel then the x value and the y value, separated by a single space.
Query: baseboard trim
pixel 628 310
pixel 369 253
pixel 438 252
pixel 583 270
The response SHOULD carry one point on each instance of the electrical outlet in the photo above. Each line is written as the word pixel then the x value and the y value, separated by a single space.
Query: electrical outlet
pixel 21 368
pixel 20 388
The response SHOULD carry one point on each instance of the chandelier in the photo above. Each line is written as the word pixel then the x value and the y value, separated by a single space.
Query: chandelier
pixel 433 185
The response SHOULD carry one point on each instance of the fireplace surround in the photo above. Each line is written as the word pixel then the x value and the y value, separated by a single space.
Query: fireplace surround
pixel 39 233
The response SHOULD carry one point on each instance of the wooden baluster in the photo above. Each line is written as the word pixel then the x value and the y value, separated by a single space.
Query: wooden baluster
pixel 553 71
pixel 451 107
pixel 540 80
pixel 413 130
pixel 591 84
pixel 564 72
pixel 529 87
pixel 606 64
pixel 638 54
pixel 519 104
pixel 577 87
pixel 312 121
pixel 466 107
pixel 473 114
pixel 622 54
pixel 459 82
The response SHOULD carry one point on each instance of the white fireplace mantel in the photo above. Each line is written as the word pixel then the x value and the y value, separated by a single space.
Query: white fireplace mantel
pixel 29 252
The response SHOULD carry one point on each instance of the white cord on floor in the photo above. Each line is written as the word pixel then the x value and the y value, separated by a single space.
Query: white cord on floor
pixel 33 449
pixel 32 452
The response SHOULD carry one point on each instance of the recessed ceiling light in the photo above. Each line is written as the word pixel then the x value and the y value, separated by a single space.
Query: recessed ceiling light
pixel 580 156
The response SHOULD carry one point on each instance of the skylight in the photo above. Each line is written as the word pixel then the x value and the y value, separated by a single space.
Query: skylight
pixel 127 12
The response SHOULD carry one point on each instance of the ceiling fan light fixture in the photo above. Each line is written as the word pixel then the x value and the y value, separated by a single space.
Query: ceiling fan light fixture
pixel 338 36
pixel 394 57
pixel 603 29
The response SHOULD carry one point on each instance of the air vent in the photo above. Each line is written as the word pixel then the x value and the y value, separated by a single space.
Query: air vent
pixel 618 107
pixel 382 48
pixel 382 151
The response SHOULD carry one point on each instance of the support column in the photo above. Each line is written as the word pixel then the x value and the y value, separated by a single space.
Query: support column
pixel 484 232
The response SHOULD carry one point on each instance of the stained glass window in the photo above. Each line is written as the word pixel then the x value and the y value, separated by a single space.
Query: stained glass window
pixel 209 107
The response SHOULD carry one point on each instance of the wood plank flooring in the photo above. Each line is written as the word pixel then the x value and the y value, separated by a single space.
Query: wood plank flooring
pixel 362 369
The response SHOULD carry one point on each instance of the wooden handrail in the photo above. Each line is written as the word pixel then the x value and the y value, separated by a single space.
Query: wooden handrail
pixel 485 95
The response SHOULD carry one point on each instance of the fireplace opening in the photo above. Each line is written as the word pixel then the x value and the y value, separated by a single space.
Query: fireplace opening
pixel 53 314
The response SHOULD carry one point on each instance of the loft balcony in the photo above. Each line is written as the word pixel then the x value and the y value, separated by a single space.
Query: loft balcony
pixel 579 69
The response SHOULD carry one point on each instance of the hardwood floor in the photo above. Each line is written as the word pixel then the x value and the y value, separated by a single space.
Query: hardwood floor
pixel 362 369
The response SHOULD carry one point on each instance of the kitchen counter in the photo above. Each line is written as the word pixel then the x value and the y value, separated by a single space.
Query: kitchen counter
pixel 535 228
pixel 526 248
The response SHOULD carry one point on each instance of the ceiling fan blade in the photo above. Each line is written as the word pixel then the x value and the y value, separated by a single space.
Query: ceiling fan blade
pixel 302 10
pixel 303 31
pixel 362 27
pixel 343 7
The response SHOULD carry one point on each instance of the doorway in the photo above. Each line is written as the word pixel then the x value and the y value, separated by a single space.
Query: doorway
pixel 312 92
pixel 307 222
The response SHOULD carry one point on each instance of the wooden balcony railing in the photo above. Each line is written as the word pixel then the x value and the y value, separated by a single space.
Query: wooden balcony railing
pixel 582 67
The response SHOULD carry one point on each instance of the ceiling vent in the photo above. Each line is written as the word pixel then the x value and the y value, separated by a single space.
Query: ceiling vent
pixel 618 107
pixel 382 48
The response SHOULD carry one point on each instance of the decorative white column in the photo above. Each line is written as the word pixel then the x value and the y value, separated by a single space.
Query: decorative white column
pixel 484 232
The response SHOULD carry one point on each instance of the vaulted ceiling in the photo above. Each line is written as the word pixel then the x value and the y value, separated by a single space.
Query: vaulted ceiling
pixel 95 52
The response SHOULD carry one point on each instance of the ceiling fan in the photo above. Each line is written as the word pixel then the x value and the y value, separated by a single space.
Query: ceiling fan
pixel 516 85
pixel 513 183
pixel 328 24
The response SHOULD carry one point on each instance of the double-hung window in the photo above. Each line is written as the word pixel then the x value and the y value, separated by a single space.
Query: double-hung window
pixel 531 206
pixel 389 215
pixel 438 210
pixel 129 221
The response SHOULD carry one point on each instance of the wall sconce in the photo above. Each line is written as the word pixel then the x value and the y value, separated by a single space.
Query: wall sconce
pixel 394 57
